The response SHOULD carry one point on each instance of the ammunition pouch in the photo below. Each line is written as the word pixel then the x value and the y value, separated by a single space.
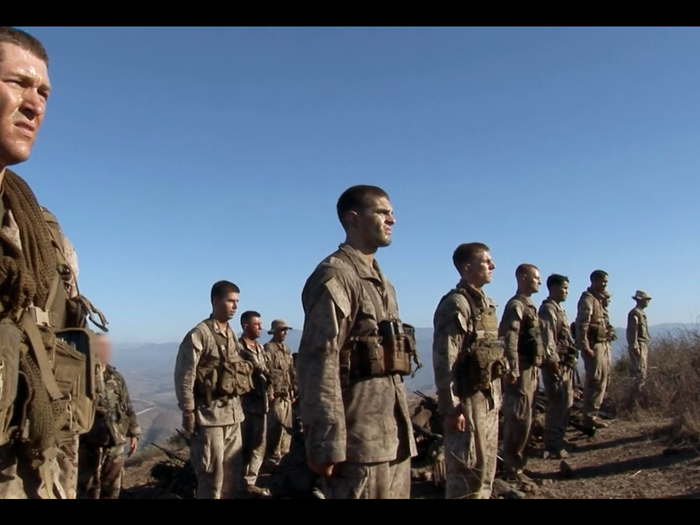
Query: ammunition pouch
pixel 10 342
pixel 225 379
pixel 399 345
pixel 478 368
pixel 568 357
pixel 597 333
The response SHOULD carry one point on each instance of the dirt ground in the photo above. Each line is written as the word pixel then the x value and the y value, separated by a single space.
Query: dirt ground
pixel 628 460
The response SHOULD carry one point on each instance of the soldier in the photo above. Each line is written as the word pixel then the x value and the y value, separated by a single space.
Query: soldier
pixel 283 378
pixel 255 404
pixel 520 329
pixel 468 363
pixel 592 341
pixel 40 375
pixel 611 336
pixel 558 376
pixel 102 449
pixel 357 427
pixel 210 377
pixel 638 338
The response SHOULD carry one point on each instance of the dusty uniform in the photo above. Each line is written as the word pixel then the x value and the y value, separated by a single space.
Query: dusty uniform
pixel 520 329
pixel 637 343
pixel 39 297
pixel 215 452
pixel 102 449
pixel 354 413
pixel 559 388
pixel 283 380
pixel 468 362
pixel 592 333
pixel 255 407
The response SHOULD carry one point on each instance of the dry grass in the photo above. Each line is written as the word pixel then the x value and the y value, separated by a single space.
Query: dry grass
pixel 673 385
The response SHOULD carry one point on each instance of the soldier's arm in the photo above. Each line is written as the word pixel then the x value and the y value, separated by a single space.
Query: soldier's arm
pixel 321 405
pixel 450 327
pixel 134 427
pixel 185 369
pixel 632 329
pixel 509 330
pixel 583 321
pixel 548 323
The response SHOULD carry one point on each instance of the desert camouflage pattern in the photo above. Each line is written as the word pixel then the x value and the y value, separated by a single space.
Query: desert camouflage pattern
pixel 470 456
pixel 519 398
pixel 638 344
pixel 215 451
pixel 590 311
pixel 367 422
pixel 283 379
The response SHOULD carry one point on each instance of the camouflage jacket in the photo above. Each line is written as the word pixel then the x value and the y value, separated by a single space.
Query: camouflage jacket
pixel 114 404
pixel 282 371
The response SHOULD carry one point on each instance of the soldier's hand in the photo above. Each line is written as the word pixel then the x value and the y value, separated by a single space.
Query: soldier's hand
pixel 555 368
pixel 132 446
pixel 511 379
pixel 188 422
pixel 324 470
pixel 590 352
pixel 456 423
pixel 636 350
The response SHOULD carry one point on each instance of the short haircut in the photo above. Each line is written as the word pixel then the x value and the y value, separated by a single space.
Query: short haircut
pixel 357 198
pixel 248 316
pixel 524 268
pixel 556 280
pixel 465 253
pixel 222 288
pixel 598 275
pixel 10 35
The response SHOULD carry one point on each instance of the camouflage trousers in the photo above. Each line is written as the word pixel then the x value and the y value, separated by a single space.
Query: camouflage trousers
pixel 471 456
pixel 215 454
pixel 18 480
pixel 639 363
pixel 279 439
pixel 596 382
pixel 100 473
pixel 518 402
pixel 68 464
pixel 560 399
pixel 388 480
pixel 254 430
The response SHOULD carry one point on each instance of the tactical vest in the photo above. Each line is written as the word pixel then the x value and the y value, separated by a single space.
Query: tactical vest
pixel 598 326
pixel 481 359
pixel 372 351
pixel 530 347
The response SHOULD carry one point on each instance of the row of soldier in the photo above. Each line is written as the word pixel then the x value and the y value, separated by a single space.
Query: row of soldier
pixel 352 399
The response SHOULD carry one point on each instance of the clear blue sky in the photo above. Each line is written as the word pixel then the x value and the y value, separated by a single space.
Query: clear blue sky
pixel 175 157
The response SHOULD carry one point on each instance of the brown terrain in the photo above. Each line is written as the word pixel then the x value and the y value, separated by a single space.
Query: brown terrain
pixel 649 451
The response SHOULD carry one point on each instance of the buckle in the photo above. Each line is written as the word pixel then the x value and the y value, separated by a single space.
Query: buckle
pixel 40 317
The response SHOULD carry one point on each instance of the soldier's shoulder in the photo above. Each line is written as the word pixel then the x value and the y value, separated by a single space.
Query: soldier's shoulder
pixel 454 301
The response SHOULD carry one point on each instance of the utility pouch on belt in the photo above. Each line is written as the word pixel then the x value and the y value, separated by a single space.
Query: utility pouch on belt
pixel 485 364
pixel 76 371
pixel 397 346
pixel 10 341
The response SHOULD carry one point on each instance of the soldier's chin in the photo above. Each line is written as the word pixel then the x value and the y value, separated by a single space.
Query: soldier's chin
pixel 15 155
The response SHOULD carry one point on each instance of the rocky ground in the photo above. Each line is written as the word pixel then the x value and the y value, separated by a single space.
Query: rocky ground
pixel 629 460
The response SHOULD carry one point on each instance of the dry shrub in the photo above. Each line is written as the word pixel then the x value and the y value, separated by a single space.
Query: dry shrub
pixel 672 389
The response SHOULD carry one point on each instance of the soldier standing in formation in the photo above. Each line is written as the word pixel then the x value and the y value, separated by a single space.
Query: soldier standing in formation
pixel 558 377
pixel 468 363
pixel 520 329
pixel 638 338
pixel 283 380
pixel 210 376
pixel 102 449
pixel 256 403
pixel 592 341
pixel 38 270
pixel 357 427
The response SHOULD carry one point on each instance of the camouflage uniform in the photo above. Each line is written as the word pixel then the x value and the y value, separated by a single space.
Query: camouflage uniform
pixel 559 388
pixel 255 405
pixel 102 449
pixel 363 426
pixel 592 333
pixel 283 379
pixel 215 452
pixel 470 456
pixel 638 340
pixel 520 329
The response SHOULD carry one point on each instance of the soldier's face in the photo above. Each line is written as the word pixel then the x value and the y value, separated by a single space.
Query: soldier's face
pixel 480 269
pixel 226 306
pixel 600 285
pixel 253 328
pixel 560 293
pixel 281 335
pixel 24 91
pixel 104 350
pixel 375 222
pixel 533 281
